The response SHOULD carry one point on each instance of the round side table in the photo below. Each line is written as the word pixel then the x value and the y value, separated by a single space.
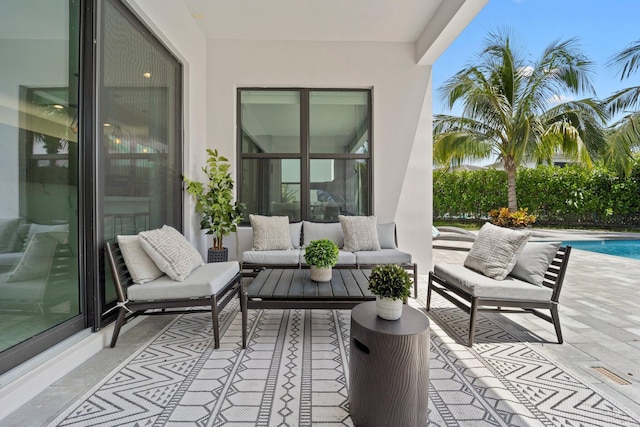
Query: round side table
pixel 389 368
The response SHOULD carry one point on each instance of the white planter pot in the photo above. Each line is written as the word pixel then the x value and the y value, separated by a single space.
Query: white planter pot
pixel 388 308
pixel 319 274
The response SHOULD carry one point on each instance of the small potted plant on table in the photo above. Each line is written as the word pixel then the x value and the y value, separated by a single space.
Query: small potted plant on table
pixel 321 255
pixel 391 285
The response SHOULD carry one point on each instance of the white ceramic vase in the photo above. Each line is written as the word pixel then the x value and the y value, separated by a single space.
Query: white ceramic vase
pixel 320 274
pixel 388 308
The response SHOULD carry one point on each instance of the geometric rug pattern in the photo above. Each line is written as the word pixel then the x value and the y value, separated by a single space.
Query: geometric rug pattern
pixel 294 373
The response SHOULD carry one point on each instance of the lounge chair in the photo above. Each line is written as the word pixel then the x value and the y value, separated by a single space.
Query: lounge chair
pixel 455 234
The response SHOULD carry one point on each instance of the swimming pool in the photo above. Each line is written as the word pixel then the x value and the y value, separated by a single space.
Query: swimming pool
pixel 623 248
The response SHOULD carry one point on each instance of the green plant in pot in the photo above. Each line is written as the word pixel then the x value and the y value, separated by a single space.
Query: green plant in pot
pixel 391 285
pixel 321 255
pixel 214 200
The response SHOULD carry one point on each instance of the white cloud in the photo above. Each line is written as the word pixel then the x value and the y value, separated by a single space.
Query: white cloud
pixel 559 99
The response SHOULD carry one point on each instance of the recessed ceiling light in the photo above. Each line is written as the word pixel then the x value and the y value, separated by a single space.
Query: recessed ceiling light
pixel 106 125
pixel 58 106
pixel 147 75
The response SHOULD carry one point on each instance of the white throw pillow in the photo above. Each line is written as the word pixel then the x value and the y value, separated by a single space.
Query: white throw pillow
pixel 534 260
pixel 140 265
pixel 270 233
pixel 37 257
pixel 171 251
pixel 495 250
pixel 360 233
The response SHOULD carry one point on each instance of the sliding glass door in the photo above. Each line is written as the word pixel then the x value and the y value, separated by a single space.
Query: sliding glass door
pixel 40 295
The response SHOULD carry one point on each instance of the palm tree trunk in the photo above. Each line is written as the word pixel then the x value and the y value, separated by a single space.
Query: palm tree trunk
pixel 511 189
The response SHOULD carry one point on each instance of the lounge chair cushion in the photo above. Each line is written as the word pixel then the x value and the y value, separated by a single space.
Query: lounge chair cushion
pixel 282 257
pixel 533 261
pixel 203 281
pixel 495 251
pixel 139 263
pixel 482 286
pixel 360 233
pixel 383 256
pixel 270 233
pixel 171 251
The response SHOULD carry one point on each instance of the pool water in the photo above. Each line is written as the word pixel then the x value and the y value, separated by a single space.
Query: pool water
pixel 623 248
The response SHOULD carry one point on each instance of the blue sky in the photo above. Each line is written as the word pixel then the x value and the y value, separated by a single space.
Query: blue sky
pixel 603 28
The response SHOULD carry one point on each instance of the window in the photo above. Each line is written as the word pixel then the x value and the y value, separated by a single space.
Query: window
pixel 305 153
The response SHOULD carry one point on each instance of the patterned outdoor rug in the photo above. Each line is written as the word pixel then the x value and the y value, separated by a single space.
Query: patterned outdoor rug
pixel 295 370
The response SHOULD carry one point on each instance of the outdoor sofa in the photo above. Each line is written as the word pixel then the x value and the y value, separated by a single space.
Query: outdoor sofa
pixel 273 242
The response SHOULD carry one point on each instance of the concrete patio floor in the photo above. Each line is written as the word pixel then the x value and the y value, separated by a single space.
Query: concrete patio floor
pixel 599 316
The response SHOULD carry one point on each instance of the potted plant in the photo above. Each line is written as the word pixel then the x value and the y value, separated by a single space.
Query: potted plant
pixel 321 255
pixel 391 285
pixel 214 200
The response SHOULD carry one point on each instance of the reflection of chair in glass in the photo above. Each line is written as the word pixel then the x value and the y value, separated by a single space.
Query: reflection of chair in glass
pixel 291 210
pixel 39 277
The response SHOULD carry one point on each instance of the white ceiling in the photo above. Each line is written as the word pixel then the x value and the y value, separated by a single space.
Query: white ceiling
pixel 317 20
pixel 430 24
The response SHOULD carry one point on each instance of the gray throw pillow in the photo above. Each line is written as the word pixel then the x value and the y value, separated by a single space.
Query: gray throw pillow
pixel 534 260
pixel 387 235
pixel 360 233
pixel 495 251
pixel 171 251
pixel 270 233
pixel 322 230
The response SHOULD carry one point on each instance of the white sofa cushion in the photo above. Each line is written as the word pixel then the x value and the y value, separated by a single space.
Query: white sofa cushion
pixel 171 251
pixel 203 281
pixel 344 258
pixel 322 230
pixel 270 233
pixel 281 257
pixel 482 286
pixel 383 256
pixel 495 250
pixel 534 260
pixel 139 263
pixel 360 233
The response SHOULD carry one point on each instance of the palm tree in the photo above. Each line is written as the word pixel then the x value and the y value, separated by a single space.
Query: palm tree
pixel 625 133
pixel 512 109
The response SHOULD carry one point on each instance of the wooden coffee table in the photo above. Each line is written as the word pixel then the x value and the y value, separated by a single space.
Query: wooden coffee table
pixel 292 288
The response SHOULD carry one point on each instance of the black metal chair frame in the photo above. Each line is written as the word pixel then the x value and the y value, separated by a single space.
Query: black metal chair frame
pixel 554 277
pixel 130 309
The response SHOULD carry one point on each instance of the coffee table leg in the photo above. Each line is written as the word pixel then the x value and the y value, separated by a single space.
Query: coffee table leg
pixel 243 309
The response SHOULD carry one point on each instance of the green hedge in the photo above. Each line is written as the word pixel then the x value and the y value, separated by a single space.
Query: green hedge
pixel 571 195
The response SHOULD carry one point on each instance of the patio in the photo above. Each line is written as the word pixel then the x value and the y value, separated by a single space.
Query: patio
pixel 601 329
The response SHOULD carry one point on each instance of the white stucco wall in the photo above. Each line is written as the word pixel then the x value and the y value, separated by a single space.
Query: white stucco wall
pixel 401 114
